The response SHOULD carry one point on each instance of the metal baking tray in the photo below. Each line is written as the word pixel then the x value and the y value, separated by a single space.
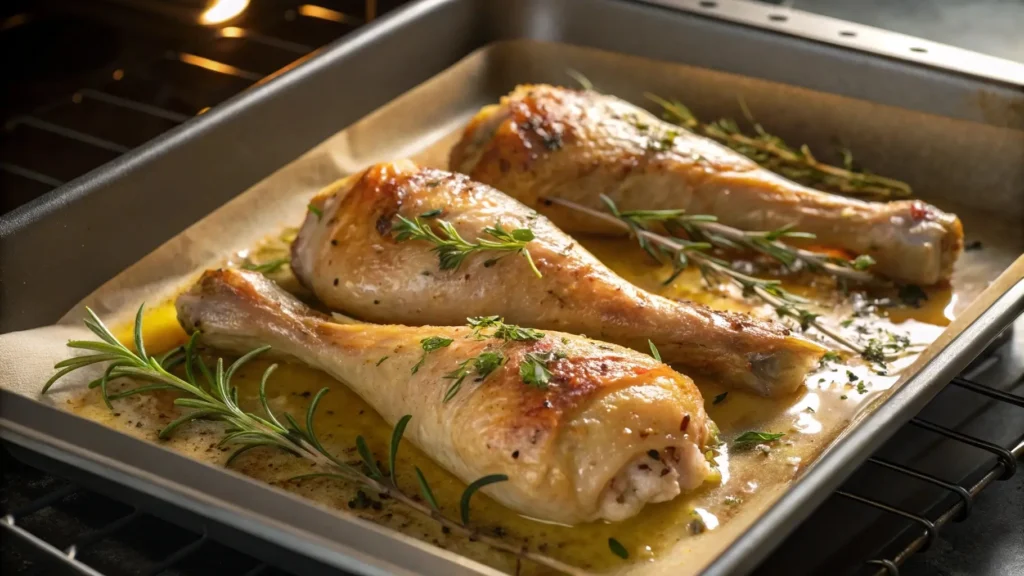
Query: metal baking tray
pixel 949 121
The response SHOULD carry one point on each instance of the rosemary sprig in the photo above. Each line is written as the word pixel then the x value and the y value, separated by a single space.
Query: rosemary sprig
pixel 704 231
pixel 452 249
pixel 797 164
pixel 681 252
pixel 217 399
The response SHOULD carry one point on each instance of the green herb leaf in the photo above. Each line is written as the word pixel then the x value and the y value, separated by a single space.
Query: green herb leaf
pixel 863 262
pixel 754 437
pixel 654 351
pixel 315 210
pixel 511 332
pixel 432 213
pixel 472 489
pixel 720 398
pixel 618 549
pixel 480 322
pixel 430 344
pixel 396 439
pixel 488 362
pixel 533 369
pixel 140 348
pixel 381 361
pixel 268 267
pixel 484 363
pixel 425 490
pixel 364 452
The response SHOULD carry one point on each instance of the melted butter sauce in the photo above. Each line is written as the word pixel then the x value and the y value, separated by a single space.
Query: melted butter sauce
pixel 672 537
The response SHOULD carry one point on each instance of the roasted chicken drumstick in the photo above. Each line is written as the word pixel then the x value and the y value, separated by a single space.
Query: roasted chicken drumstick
pixel 347 252
pixel 576 145
pixel 607 431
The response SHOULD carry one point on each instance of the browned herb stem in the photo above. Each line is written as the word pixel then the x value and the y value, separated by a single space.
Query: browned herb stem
pixel 773 153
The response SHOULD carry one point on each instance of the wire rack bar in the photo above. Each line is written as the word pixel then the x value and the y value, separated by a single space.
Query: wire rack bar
pixel 265 40
pixel 51 551
pixel 965 496
pixel 69 133
pixel 95 536
pixel 133 105
pixel 30 174
pixel 1004 468
pixel 1002 454
pixel 930 531
pixel 990 392
pixel 178 555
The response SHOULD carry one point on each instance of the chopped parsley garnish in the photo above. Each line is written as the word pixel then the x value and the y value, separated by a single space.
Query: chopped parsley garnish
pixel 430 344
pixel 484 363
pixel 381 361
pixel 830 356
pixel 319 213
pixel 720 398
pixel 863 262
pixel 502 331
pixel 533 369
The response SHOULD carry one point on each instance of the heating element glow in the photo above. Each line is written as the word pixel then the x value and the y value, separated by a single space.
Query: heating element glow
pixel 222 11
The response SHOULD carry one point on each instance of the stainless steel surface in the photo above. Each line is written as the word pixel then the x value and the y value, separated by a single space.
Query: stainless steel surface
pixel 789 20
pixel 439 33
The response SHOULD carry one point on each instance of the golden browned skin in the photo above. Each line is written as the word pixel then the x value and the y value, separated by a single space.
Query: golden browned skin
pixel 581 449
pixel 350 259
pixel 549 141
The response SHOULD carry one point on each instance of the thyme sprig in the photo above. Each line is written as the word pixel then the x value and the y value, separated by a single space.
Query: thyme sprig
pixel 797 164
pixel 682 252
pixel 452 249
pixel 214 398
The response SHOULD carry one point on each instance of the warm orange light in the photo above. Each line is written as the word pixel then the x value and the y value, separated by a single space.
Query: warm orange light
pixel 232 32
pixel 118 74
pixel 312 11
pixel 216 66
pixel 222 11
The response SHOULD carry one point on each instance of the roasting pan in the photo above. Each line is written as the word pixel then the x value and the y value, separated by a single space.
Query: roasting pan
pixel 949 121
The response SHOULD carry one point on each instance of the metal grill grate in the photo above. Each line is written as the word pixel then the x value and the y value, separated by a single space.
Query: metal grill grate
pixel 53 526
pixel 926 477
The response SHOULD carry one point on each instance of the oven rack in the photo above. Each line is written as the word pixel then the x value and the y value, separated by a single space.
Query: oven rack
pixel 129 102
